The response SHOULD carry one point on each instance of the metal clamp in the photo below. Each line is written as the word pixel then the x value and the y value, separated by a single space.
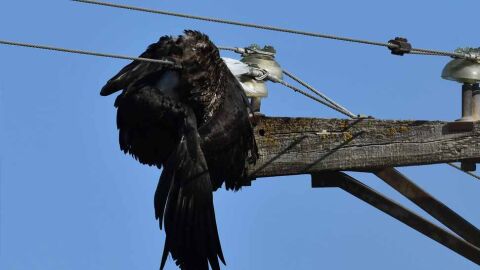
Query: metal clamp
pixel 257 51
pixel 257 73
pixel 402 46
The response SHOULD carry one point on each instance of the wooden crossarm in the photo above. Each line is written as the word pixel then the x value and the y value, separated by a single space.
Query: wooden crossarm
pixel 289 146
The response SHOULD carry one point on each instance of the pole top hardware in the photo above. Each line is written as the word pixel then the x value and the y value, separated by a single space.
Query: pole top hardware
pixel 261 61
pixel 262 58
pixel 267 50
pixel 464 70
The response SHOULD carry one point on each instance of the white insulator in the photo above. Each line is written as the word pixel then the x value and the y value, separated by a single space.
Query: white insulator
pixel 236 67
pixel 252 87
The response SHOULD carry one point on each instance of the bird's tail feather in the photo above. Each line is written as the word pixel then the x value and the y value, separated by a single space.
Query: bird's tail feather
pixel 184 201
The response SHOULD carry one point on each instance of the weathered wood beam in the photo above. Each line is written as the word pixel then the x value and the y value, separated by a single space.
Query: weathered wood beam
pixel 304 145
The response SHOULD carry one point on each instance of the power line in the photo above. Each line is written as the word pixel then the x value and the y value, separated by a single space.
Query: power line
pixel 158 61
pixel 75 51
pixel 318 93
pixel 298 90
pixel 283 30
pixel 251 25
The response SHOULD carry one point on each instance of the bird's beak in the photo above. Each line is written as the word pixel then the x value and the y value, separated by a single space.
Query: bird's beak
pixel 108 90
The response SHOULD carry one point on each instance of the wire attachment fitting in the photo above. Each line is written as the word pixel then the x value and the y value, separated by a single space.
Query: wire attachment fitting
pixel 400 46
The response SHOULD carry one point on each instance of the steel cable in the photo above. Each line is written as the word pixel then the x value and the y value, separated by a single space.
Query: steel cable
pixel 223 21
pixel 320 94
pixel 75 51
pixel 279 29
pixel 298 90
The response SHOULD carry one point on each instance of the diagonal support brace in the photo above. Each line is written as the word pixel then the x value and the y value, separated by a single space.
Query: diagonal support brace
pixel 392 208
pixel 429 204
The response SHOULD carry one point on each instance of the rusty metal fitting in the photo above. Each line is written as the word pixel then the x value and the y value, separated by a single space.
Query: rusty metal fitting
pixel 402 46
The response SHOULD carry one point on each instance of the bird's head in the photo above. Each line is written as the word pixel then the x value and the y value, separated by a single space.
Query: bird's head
pixel 197 51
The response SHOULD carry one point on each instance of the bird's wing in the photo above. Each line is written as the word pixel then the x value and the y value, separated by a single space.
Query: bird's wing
pixel 137 70
pixel 184 201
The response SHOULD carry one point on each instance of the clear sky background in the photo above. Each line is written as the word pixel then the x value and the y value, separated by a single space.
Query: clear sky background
pixel 69 199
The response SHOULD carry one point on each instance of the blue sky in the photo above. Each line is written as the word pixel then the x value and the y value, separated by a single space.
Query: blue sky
pixel 69 199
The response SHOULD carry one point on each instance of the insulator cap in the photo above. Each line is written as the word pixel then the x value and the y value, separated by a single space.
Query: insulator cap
pixel 462 70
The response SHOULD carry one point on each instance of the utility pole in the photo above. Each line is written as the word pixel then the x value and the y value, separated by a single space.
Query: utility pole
pixel 324 148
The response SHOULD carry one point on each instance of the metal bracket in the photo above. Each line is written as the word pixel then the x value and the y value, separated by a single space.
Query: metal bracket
pixel 399 212
pixel 402 47
pixel 459 126
pixel 429 204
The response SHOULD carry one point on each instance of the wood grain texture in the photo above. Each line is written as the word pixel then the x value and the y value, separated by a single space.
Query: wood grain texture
pixel 304 145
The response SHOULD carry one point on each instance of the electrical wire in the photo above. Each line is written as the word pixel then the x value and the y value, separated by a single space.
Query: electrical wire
pixel 223 21
pixel 158 61
pixel 298 90
pixel 75 51
pixel 318 93
pixel 283 30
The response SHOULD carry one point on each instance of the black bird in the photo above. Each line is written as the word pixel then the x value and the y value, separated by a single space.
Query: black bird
pixel 192 119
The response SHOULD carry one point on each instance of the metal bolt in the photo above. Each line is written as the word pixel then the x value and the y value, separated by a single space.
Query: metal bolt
pixel 468 166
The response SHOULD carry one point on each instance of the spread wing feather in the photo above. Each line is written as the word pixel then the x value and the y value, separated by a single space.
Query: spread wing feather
pixel 184 202
pixel 139 69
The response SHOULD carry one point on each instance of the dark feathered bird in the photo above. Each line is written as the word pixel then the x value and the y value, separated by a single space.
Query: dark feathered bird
pixel 192 120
